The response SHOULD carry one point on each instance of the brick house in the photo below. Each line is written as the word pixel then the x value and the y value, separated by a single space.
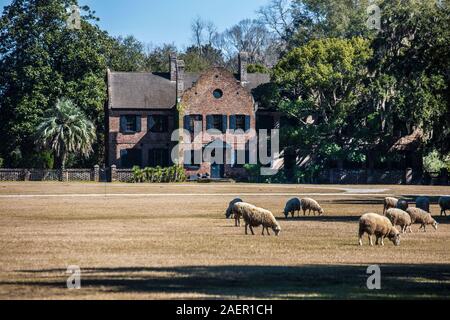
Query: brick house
pixel 143 110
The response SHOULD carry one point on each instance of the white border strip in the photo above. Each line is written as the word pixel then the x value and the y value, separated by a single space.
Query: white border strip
pixel 138 195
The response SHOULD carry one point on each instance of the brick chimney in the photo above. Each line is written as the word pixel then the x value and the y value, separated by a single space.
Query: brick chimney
pixel 243 63
pixel 180 77
pixel 173 67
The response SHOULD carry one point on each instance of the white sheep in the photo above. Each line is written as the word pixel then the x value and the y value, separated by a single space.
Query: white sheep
pixel 311 205
pixel 399 218
pixel 389 203
pixel 230 212
pixel 444 203
pixel 423 203
pixel 292 205
pixel 380 226
pixel 421 217
pixel 255 217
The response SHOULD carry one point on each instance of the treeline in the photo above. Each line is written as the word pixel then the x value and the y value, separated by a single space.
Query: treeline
pixel 349 92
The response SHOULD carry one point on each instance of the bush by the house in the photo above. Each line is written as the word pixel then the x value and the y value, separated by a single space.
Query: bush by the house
pixel 159 175
pixel 435 162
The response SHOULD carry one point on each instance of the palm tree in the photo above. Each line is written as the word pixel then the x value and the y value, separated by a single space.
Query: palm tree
pixel 66 129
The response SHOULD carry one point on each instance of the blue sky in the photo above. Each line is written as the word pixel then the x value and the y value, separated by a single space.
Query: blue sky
pixel 166 21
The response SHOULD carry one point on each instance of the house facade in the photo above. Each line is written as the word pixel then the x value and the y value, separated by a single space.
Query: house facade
pixel 144 109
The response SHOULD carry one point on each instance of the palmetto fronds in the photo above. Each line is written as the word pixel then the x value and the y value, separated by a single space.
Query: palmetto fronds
pixel 66 129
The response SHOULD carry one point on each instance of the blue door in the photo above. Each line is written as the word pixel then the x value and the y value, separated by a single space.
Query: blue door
pixel 217 171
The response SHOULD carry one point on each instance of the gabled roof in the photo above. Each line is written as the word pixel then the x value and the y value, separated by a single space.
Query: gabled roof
pixel 130 90
pixel 142 90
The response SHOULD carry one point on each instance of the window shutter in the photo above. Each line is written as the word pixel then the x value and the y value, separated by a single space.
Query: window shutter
pixel 165 123
pixel 150 123
pixel 138 123
pixel 233 122
pixel 187 123
pixel 247 123
pixel 209 122
pixel 224 123
pixel 123 124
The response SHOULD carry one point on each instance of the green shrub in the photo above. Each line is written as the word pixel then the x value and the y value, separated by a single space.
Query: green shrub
pixel 257 68
pixel 159 175
pixel 254 172
pixel 435 162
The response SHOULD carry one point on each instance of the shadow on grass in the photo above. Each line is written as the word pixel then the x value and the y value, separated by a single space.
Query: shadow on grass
pixel 324 218
pixel 228 282
pixel 412 198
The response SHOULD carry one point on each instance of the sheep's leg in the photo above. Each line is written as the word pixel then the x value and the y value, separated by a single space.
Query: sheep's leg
pixel 382 241
pixel 370 241
pixel 263 230
pixel 251 229
pixel 246 227
pixel 424 228
pixel 268 232
pixel 304 212
pixel 360 234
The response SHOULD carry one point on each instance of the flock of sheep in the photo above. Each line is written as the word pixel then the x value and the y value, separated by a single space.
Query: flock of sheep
pixel 396 212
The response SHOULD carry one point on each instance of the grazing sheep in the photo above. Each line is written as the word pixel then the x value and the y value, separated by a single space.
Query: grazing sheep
pixel 311 205
pixel 230 211
pixel 444 203
pixel 402 205
pixel 423 203
pixel 389 203
pixel 399 218
pixel 381 227
pixel 291 206
pixel 255 217
pixel 421 217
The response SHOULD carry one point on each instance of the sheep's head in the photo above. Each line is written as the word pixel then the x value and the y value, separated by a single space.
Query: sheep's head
pixel 277 230
pixel 435 224
pixel 394 236
pixel 286 213
pixel 321 212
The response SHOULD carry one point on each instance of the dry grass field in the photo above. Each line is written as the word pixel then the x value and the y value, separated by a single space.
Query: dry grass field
pixel 173 242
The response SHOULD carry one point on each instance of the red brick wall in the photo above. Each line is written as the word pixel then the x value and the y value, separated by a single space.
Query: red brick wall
pixel 142 140
pixel 236 100
pixel 199 99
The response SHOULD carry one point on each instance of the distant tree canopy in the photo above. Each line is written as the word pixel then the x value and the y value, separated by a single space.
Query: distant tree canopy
pixel 362 93
pixel 345 87
pixel 40 61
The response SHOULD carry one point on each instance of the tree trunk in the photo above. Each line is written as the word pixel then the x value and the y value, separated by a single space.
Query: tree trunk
pixel 63 160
